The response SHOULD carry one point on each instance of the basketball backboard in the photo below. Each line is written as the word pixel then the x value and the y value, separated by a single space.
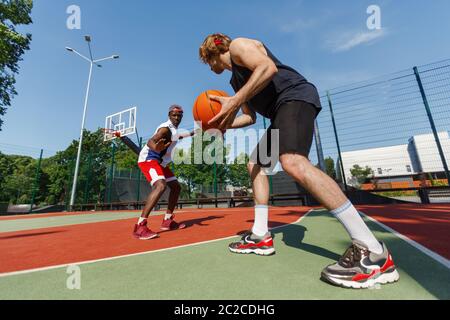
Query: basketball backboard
pixel 124 122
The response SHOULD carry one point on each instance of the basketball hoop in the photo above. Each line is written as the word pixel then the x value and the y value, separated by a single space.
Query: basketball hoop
pixel 110 134
pixel 123 122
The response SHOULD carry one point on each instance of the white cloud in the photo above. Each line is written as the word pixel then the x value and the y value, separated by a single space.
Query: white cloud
pixel 349 40
pixel 297 25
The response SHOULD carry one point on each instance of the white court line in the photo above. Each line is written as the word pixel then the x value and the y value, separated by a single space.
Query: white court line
pixel 416 245
pixel 7 274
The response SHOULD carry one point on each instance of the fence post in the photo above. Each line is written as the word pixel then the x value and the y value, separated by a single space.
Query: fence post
pixel 66 193
pixel 319 146
pixel 111 172
pixel 270 177
pixel 337 142
pixel 433 126
pixel 36 181
pixel 139 176
pixel 215 174
pixel 88 179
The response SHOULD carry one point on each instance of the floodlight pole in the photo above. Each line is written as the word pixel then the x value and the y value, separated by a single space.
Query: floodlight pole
pixel 77 163
pixel 91 65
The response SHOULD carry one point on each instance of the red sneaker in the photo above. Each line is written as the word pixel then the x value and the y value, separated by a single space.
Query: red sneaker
pixel 170 224
pixel 142 232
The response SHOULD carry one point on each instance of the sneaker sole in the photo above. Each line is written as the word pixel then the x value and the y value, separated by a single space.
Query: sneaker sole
pixel 147 238
pixel 385 278
pixel 259 252
pixel 167 229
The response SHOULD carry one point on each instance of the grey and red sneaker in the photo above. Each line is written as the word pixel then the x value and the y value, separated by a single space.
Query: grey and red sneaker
pixel 142 232
pixel 171 224
pixel 251 243
pixel 360 268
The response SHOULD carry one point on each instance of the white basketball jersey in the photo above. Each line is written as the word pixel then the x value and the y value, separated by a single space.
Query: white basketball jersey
pixel 164 157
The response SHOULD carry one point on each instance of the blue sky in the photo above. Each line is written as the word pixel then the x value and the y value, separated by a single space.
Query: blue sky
pixel 327 41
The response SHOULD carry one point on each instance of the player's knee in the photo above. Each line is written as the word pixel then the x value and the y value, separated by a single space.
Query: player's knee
pixel 175 187
pixel 293 165
pixel 160 186
pixel 252 166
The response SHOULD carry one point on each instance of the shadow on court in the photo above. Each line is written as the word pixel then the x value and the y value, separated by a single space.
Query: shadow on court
pixel 411 262
pixel 428 273
pixel 293 234
pixel 35 234
pixel 200 221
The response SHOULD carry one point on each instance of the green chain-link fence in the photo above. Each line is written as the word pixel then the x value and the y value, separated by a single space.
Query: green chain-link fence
pixel 385 133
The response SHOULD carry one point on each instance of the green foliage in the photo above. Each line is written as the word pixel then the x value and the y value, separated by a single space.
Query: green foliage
pixel 18 173
pixel 238 175
pixel 12 46
pixel 436 182
pixel 198 176
pixel 330 168
pixel 94 162
pixel 361 174
pixel 16 178
pixel 125 158
pixel 389 194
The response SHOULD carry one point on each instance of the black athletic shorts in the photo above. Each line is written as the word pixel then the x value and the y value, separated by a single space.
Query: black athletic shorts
pixel 295 123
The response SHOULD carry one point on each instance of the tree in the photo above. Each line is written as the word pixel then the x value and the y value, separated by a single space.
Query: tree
pixel 94 162
pixel 17 173
pixel 12 46
pixel 361 174
pixel 16 176
pixel 6 168
pixel 199 176
pixel 237 172
pixel 330 167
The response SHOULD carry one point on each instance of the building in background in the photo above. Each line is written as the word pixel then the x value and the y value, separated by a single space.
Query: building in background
pixel 401 163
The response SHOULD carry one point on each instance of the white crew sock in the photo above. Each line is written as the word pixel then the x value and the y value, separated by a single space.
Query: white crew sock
pixel 167 216
pixel 141 219
pixel 260 226
pixel 355 226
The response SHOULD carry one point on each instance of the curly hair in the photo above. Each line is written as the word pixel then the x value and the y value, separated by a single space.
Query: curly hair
pixel 214 44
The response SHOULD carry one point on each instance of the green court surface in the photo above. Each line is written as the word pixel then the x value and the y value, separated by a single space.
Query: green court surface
pixel 209 271
pixel 56 221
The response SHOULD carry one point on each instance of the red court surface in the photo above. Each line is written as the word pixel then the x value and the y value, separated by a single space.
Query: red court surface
pixel 428 225
pixel 37 248
pixel 56 214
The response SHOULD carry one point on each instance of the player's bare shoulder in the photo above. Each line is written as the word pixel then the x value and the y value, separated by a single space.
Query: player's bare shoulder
pixel 241 46
pixel 163 133
pixel 241 43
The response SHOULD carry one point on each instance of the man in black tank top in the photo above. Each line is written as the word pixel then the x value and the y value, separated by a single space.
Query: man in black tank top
pixel 264 85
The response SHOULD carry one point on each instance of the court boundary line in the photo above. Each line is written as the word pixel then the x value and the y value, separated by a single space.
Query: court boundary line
pixel 14 273
pixel 430 253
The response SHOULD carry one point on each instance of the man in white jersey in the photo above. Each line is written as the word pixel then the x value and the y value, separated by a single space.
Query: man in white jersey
pixel 153 161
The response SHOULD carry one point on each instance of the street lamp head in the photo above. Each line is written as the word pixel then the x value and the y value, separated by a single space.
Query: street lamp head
pixel 87 38
pixel 115 56
pixel 69 49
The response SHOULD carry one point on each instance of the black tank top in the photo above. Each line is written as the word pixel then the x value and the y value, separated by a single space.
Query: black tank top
pixel 286 85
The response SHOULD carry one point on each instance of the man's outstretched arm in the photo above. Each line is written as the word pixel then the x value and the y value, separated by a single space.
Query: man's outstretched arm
pixel 129 143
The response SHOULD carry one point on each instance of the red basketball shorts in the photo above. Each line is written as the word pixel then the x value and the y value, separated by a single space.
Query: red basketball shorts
pixel 153 171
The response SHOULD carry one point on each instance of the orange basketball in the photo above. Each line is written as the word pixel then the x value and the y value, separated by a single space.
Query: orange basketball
pixel 205 109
